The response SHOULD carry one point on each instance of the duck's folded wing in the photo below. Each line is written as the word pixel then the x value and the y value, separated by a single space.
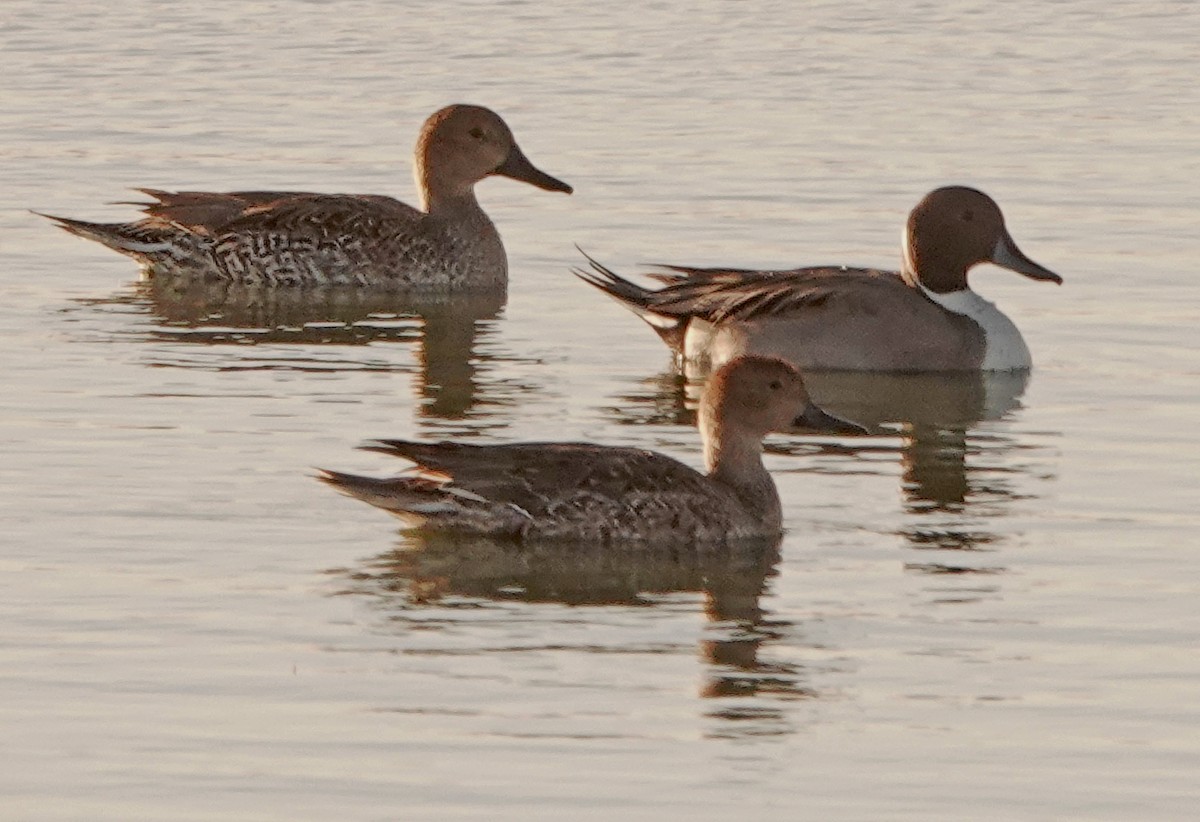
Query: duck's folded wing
pixel 722 294
pixel 207 211
pixel 214 213
pixel 562 481
pixel 324 213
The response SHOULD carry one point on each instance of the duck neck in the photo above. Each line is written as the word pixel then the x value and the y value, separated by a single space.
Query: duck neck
pixel 458 205
pixel 929 270
pixel 444 195
pixel 734 458
pixel 908 263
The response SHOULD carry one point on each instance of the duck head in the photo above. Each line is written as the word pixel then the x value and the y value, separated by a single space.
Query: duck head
pixel 750 397
pixel 460 145
pixel 954 229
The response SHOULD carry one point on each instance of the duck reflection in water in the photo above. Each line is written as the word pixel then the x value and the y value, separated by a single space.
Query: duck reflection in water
pixel 935 413
pixel 430 571
pixel 447 329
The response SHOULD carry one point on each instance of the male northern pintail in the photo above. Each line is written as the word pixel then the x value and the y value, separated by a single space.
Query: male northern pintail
pixel 579 491
pixel 922 318
pixel 280 238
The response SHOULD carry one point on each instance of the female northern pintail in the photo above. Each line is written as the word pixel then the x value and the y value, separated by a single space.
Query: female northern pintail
pixel 922 318
pixel 579 491
pixel 280 238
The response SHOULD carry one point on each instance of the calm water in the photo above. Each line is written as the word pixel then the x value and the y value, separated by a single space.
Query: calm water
pixel 988 609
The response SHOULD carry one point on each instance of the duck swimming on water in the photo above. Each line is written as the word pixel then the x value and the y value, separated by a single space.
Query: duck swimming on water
pixel 598 493
pixel 299 239
pixel 924 317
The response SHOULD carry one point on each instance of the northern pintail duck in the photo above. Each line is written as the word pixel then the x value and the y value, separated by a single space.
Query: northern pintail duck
pixel 280 238
pixel 597 493
pixel 923 318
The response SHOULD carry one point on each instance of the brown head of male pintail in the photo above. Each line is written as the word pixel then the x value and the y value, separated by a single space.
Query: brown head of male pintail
pixel 924 317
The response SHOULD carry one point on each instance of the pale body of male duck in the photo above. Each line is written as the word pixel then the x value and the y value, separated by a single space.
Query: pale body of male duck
pixel 924 317
pixel 596 493
pixel 279 238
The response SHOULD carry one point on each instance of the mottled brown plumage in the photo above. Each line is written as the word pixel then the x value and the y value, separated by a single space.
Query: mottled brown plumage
pixel 595 493
pixel 276 238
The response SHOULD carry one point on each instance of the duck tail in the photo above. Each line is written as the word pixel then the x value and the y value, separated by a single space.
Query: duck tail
pixel 431 503
pixel 128 238
pixel 416 500
pixel 636 298
pixel 149 241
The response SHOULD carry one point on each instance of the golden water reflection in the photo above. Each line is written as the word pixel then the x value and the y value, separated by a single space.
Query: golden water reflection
pixel 446 333
pixel 431 571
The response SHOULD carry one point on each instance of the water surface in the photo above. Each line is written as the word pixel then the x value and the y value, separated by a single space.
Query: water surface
pixel 986 609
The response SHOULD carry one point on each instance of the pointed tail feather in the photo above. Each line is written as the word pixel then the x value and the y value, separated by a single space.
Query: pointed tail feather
pixel 161 246
pixel 433 504
pixel 416 500
pixel 141 239
pixel 637 299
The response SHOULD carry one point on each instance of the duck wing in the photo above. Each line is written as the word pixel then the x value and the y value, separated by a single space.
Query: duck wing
pixel 719 295
pixel 213 213
pixel 724 294
pixel 549 490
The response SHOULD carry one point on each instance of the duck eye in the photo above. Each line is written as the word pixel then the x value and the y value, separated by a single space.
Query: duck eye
pixel 476 132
